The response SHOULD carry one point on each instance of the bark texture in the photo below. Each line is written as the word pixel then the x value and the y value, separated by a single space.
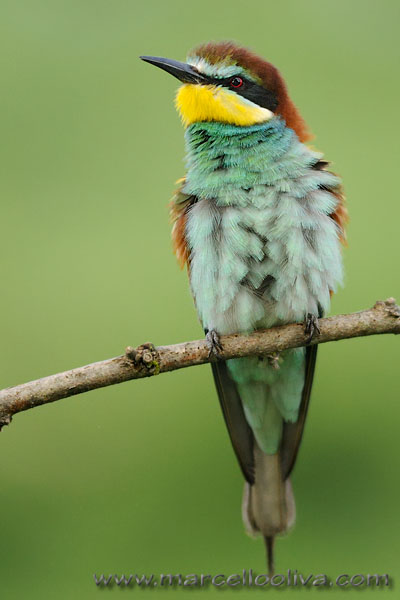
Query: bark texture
pixel 148 360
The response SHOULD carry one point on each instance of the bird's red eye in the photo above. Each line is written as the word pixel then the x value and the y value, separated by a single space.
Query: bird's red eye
pixel 236 82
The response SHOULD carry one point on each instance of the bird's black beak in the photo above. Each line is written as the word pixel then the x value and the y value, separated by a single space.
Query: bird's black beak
pixel 182 71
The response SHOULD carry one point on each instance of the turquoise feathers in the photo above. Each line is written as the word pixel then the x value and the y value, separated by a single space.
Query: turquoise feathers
pixel 263 250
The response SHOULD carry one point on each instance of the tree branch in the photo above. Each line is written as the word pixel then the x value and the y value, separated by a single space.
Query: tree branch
pixel 147 360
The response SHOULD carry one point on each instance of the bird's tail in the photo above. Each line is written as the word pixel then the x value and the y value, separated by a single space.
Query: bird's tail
pixel 268 504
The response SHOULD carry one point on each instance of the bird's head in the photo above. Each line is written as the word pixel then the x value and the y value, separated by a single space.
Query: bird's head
pixel 226 83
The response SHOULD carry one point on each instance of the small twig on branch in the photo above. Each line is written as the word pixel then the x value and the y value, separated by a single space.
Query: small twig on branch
pixel 147 360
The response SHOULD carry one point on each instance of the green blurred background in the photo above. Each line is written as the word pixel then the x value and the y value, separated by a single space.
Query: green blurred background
pixel 141 477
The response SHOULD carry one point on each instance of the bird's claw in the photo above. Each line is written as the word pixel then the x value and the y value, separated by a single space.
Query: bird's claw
pixel 213 342
pixel 311 327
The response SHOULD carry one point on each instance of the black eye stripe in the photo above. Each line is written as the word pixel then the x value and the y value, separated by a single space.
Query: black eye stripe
pixel 250 90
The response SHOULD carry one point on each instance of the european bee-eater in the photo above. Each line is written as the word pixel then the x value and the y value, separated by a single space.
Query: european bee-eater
pixel 258 219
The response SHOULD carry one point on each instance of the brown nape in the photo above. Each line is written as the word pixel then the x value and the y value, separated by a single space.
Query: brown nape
pixel 270 78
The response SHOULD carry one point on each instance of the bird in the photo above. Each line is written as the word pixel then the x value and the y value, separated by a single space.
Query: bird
pixel 259 220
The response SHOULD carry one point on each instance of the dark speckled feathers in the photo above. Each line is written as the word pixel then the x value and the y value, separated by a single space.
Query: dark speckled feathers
pixel 181 204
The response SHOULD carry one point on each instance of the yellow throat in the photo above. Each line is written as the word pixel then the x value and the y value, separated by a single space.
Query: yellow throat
pixel 214 103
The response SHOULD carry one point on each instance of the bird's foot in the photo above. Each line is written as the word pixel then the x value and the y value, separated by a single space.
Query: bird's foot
pixel 311 327
pixel 213 342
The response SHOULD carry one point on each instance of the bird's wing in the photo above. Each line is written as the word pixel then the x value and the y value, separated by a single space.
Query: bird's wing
pixel 239 431
pixel 293 432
